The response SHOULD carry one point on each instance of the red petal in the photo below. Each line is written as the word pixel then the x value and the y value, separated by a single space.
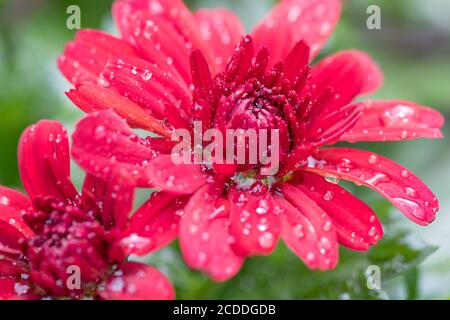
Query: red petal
pixel 401 187
pixel 307 230
pixel 222 30
pixel 154 225
pixel 356 224
pixel 156 91
pixel 294 20
pixel 89 98
pixel 394 120
pixel 13 199
pixel 10 266
pixel 255 223
pixel 103 144
pixel 348 74
pixel 84 59
pixel 137 281
pixel 176 178
pixel 175 18
pixel 7 288
pixel 12 230
pixel 205 238
pixel 44 161
pixel 118 200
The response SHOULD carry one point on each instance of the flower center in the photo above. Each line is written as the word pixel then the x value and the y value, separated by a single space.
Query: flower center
pixel 68 255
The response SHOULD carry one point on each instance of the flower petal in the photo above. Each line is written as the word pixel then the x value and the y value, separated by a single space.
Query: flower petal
pixel 222 30
pixel 393 120
pixel 307 229
pixel 154 225
pixel 176 21
pixel 12 230
pixel 294 20
pixel 103 144
pixel 137 281
pixel 84 59
pixel 90 98
pixel 118 200
pixel 175 178
pixel 406 191
pixel 205 238
pixel 356 224
pixel 7 288
pixel 154 90
pixel 255 222
pixel 44 162
pixel 348 73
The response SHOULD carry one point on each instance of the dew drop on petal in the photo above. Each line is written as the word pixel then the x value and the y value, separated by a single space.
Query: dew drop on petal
pixel 266 240
pixel 328 196
pixel 411 192
pixel 327 226
pixel 404 173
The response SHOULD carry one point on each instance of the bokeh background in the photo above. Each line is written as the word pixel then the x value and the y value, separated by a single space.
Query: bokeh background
pixel 413 49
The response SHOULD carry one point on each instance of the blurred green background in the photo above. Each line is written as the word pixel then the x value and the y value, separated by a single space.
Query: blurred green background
pixel 413 49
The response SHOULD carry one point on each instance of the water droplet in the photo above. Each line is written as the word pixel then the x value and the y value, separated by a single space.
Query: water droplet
pixel 298 231
pixel 146 75
pixel 373 159
pixel 372 231
pixel 327 226
pixel 266 240
pixel 328 196
pixel 4 201
pixel 404 173
pixel 411 192
pixel 310 256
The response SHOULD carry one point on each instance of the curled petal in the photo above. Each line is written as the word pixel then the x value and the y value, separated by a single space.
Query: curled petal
pixel 137 281
pixel 154 90
pixel 293 20
pixel 44 162
pixel 84 59
pixel 406 191
pixel 348 74
pixel 356 224
pixel 154 225
pixel 90 98
pixel 103 144
pixel 175 178
pixel 222 30
pixel 205 237
pixel 393 120
pixel 307 229
pixel 255 223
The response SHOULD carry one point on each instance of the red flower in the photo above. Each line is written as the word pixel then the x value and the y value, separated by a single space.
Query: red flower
pixel 57 233
pixel 172 67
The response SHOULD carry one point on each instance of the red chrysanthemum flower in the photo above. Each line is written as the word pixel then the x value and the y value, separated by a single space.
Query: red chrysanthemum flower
pixel 57 233
pixel 173 67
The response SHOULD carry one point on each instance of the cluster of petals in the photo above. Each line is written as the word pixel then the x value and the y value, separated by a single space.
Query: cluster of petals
pixel 57 243
pixel 171 67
